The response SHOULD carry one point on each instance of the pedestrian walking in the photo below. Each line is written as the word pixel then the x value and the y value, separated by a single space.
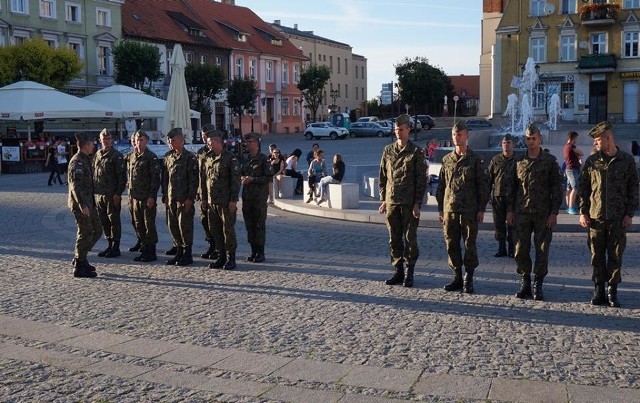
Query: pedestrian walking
pixel 462 197
pixel 501 171
pixel 402 182
pixel 220 185
pixel 255 177
pixel 179 187
pixel 572 160
pixel 608 188
pixel 110 180
pixel 533 204
pixel 82 203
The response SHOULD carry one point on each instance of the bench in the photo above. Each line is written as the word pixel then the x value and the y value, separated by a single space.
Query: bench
pixel 287 187
pixel 343 195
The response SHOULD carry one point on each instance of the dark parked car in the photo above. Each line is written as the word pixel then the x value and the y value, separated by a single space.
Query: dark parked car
pixel 477 123
pixel 427 121
pixel 358 129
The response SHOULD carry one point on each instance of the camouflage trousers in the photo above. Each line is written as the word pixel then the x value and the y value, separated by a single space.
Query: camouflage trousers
pixel 180 223
pixel 204 219
pixel 109 214
pixel 607 240
pixel 403 228
pixel 461 227
pixel 536 224
pixel 255 220
pixel 503 232
pixel 89 231
pixel 144 221
pixel 222 226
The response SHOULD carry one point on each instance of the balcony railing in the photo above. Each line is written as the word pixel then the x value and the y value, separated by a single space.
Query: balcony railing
pixel 598 63
pixel 599 14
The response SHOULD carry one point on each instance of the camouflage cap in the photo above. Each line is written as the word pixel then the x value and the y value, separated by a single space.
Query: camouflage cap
pixel 403 119
pixel 176 131
pixel 599 129
pixel 531 130
pixel 82 137
pixel 105 133
pixel 458 127
pixel 141 133
pixel 251 137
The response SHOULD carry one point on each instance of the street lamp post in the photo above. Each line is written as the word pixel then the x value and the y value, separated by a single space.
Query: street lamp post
pixel 335 94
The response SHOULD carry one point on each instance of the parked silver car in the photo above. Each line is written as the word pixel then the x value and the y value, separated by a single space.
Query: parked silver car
pixel 358 129
pixel 325 129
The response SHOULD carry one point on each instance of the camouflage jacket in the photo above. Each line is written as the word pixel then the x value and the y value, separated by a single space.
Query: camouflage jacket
pixel 609 189
pixel 259 168
pixel 537 185
pixel 80 180
pixel 501 174
pixel 144 175
pixel 201 154
pixel 463 185
pixel 402 175
pixel 180 176
pixel 109 172
pixel 220 178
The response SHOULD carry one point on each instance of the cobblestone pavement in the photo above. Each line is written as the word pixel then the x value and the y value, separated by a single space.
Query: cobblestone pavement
pixel 313 323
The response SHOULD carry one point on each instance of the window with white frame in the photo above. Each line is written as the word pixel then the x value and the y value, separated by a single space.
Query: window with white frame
pixel 631 4
pixel 20 36
pixel 219 61
pixel 296 107
pixel 253 68
pixel 203 59
pixel 48 8
pixel 296 73
pixel 539 96
pixel 566 95
pixel 50 40
pixel 20 6
pixel 285 72
pixel 104 59
pixel 568 7
pixel 537 7
pixel 539 49
pixel 630 44
pixel 188 57
pixel 598 43
pixel 239 67
pixel 72 11
pixel 568 48
pixel 269 71
pixel 76 45
pixel 103 17
pixel 285 106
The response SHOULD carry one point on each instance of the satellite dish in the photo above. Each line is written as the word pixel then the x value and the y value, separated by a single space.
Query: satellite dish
pixel 549 9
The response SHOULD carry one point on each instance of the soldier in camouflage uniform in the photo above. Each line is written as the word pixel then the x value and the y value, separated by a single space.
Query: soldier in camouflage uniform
pixel 608 189
pixel 255 178
pixel 403 182
pixel 110 180
pixel 500 177
pixel 533 203
pixel 179 188
pixel 138 245
pixel 82 203
pixel 220 186
pixel 144 181
pixel 204 216
pixel 462 197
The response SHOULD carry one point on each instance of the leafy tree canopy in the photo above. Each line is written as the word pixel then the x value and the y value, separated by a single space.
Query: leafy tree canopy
pixel 241 96
pixel 136 63
pixel 313 79
pixel 420 83
pixel 204 83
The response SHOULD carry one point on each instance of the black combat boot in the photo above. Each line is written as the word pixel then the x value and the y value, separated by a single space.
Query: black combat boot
pixel 456 282
pixel 612 295
pixel 599 296
pixel 137 247
pixel 537 288
pixel 398 275
pixel 467 286
pixel 502 249
pixel 172 251
pixel 231 261
pixel 106 251
pixel 149 254
pixel 83 269
pixel 115 250
pixel 186 258
pixel 220 261
pixel 209 252
pixel 253 253
pixel 408 276
pixel 173 261
pixel 142 250
pixel 525 287
pixel 510 249
pixel 259 254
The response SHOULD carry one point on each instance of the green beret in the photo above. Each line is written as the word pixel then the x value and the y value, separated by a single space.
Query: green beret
pixel 251 137
pixel 458 127
pixel 403 119
pixel 599 129
pixel 531 130
pixel 176 131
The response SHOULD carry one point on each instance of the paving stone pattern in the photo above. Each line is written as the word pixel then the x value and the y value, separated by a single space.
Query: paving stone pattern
pixel 312 323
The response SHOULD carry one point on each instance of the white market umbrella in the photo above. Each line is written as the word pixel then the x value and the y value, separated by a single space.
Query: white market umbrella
pixel 177 109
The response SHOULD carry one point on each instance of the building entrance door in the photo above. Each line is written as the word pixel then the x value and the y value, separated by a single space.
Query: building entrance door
pixel 597 101
pixel 630 102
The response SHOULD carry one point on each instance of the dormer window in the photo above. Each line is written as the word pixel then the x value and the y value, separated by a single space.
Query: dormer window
pixel 276 42
pixel 242 37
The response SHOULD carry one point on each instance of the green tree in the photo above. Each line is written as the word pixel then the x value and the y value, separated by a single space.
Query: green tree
pixel 241 96
pixel 136 63
pixel 35 60
pixel 204 83
pixel 312 82
pixel 422 85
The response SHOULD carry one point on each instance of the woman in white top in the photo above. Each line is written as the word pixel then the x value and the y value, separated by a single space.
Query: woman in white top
pixel 290 170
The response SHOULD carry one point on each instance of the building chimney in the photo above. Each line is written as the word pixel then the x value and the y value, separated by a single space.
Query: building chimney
pixel 295 26
pixel 231 2
pixel 276 22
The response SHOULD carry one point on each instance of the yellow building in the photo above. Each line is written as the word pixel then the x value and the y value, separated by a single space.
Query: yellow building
pixel 585 51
